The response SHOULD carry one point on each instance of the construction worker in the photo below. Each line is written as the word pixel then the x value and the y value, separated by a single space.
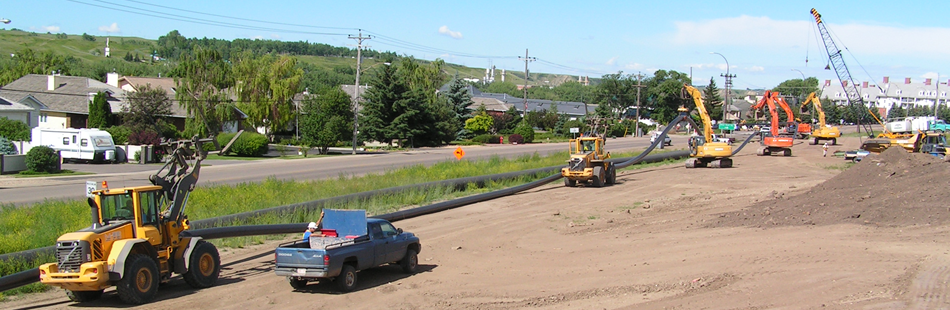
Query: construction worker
pixel 312 229
pixel 824 150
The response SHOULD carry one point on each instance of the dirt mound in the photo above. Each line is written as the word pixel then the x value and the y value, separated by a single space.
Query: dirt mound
pixel 894 188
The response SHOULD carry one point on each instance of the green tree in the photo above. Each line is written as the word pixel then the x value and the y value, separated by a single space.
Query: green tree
pixel 265 87
pixel 378 111
pixel 100 112
pixel 147 109
pixel 713 100
pixel 663 94
pixel 573 91
pixel 14 130
pixel 481 123
pixel 797 88
pixel 28 62
pixel 326 119
pixel 614 94
pixel 460 99
pixel 503 88
pixel 202 77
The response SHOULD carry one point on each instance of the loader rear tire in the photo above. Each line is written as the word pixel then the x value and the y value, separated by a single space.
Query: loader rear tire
pixel 599 177
pixel 204 266
pixel 83 296
pixel 139 283
pixel 570 183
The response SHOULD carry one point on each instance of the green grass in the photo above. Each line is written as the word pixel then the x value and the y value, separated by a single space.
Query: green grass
pixel 64 172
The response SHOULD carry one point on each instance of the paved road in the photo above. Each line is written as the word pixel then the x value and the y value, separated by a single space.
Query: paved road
pixel 23 191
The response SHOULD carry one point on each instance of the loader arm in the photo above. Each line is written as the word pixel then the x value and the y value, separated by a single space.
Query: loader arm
pixel 177 177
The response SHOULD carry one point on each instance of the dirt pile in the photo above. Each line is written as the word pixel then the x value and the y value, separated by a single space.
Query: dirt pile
pixel 894 188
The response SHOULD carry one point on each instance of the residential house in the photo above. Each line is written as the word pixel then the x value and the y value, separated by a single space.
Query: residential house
pixel 132 84
pixel 62 101
pixel 19 112
pixel 882 96
pixel 500 103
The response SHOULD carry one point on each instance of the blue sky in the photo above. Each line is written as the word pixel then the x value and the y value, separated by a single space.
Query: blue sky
pixel 764 41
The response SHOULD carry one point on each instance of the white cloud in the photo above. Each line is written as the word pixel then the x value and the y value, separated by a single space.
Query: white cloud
pixel 53 29
pixel 756 68
pixel 446 31
pixel 930 75
pixel 275 36
pixel 767 34
pixel 110 28
pixel 633 66
pixel 258 37
pixel 611 61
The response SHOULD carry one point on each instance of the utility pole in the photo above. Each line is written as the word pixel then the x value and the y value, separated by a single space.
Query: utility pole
pixel 359 61
pixel 526 59
pixel 636 131
pixel 937 96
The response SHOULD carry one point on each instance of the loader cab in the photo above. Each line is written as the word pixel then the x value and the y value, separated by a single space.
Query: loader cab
pixel 139 206
pixel 587 145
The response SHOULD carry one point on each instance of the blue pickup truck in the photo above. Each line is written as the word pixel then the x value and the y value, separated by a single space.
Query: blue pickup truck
pixel 349 244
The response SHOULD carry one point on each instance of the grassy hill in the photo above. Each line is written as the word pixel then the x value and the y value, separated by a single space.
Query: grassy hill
pixel 82 47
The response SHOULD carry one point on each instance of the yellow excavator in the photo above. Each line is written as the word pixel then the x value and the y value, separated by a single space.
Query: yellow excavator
pixel 133 242
pixel 704 151
pixel 824 131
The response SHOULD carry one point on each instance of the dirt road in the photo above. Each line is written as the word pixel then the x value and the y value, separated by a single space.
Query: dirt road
pixel 663 238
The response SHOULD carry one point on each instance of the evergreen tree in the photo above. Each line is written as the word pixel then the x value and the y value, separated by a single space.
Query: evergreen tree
pixel 378 111
pixel 460 99
pixel 713 100
pixel 100 112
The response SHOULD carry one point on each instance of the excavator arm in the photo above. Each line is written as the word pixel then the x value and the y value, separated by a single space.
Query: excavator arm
pixel 769 100
pixel 817 103
pixel 177 177
pixel 791 124
pixel 703 114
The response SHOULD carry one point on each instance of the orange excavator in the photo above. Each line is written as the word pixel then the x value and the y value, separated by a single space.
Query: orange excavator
pixel 776 141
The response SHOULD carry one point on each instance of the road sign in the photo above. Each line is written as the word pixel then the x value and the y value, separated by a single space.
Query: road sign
pixel 723 126
pixel 575 130
pixel 459 153
pixel 90 186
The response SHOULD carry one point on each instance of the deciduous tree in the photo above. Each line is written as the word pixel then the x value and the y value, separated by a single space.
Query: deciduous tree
pixel 327 119
pixel 147 108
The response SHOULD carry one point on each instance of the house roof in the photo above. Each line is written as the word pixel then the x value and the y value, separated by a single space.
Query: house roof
pixel 502 102
pixel 71 93
pixel 12 106
pixel 168 84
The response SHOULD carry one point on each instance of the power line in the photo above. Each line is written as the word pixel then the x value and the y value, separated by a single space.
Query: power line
pixel 240 18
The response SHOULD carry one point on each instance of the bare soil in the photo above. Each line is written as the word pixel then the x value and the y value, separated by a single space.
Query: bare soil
pixel 801 232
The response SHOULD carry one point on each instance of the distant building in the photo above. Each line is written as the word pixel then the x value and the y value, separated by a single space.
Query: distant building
pixel 499 103
pixel 882 96
pixel 62 101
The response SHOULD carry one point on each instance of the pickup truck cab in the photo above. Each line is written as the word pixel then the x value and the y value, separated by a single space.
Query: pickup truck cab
pixel 340 258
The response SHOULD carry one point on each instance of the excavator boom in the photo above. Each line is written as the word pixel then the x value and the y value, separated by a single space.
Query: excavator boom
pixel 703 114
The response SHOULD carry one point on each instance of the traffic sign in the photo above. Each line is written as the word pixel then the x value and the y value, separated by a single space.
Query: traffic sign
pixel 90 186
pixel 724 126
pixel 459 153
pixel 575 130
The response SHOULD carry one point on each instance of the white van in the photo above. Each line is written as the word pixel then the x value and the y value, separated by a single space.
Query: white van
pixel 83 144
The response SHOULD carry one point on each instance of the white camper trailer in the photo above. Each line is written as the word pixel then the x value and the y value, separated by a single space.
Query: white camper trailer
pixel 84 144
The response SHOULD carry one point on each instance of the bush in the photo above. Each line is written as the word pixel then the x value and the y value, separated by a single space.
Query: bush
pixel 224 138
pixel 7 147
pixel 487 139
pixel 14 130
pixel 525 131
pixel 515 139
pixel 145 137
pixel 42 159
pixel 250 145
pixel 120 134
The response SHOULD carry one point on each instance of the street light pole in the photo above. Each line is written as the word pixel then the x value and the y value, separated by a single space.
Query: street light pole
pixel 728 86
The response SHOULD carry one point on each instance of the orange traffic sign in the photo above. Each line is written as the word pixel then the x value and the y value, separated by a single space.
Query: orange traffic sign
pixel 459 153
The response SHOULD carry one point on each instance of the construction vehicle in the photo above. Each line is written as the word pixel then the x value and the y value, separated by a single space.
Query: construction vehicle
pixel 588 163
pixel 775 141
pixel 920 142
pixel 844 75
pixel 133 242
pixel 824 131
pixel 704 151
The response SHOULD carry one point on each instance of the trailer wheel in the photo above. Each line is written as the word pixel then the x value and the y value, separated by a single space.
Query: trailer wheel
pixel 204 266
pixel 410 261
pixel 297 283
pixel 83 296
pixel 346 281
pixel 139 284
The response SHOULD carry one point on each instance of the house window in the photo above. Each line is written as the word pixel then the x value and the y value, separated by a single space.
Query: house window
pixel 84 142
pixel 899 92
pixel 43 117
pixel 920 93
pixel 866 96
pixel 943 94
pixel 65 140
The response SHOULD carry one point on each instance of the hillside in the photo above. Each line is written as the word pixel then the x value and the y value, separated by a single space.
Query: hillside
pixel 91 52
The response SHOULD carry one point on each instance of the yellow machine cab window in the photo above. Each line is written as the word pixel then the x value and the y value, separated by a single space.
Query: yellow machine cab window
pixel 117 207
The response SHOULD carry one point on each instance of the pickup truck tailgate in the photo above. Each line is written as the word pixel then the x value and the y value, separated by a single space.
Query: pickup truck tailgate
pixel 299 257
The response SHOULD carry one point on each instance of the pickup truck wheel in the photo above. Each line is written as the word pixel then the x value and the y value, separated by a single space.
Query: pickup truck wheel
pixel 139 283
pixel 297 283
pixel 346 281
pixel 410 262
pixel 204 266
pixel 83 296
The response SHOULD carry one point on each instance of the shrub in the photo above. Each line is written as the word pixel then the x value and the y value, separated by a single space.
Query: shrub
pixel 525 131
pixel 14 130
pixel 120 134
pixel 515 139
pixel 145 137
pixel 7 147
pixel 250 144
pixel 488 139
pixel 224 138
pixel 42 159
